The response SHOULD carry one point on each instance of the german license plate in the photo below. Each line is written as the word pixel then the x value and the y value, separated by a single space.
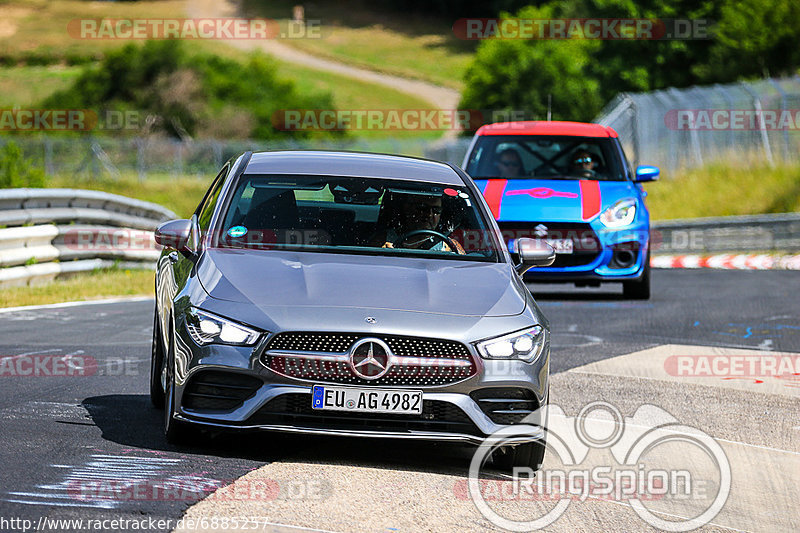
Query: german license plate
pixel 370 400
pixel 561 246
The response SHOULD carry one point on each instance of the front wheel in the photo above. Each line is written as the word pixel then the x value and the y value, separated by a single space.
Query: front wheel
pixel 529 455
pixel 175 431
pixel 639 289
pixel 157 366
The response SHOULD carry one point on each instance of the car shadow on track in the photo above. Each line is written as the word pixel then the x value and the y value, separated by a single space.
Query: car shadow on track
pixel 131 420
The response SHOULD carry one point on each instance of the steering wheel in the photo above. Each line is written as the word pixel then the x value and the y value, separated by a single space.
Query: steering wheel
pixel 440 236
pixel 585 173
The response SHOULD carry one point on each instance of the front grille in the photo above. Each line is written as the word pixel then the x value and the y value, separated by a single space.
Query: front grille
pixel 295 410
pixel 431 362
pixel 506 405
pixel 585 244
pixel 219 390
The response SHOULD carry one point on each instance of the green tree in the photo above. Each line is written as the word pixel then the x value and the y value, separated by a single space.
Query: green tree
pixel 756 38
pixel 519 75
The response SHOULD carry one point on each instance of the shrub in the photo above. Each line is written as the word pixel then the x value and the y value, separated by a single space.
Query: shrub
pixel 197 94
pixel 16 171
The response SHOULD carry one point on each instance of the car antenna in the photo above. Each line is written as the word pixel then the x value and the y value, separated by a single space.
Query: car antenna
pixel 549 106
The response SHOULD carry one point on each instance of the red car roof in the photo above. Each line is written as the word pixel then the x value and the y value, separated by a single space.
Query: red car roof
pixel 538 127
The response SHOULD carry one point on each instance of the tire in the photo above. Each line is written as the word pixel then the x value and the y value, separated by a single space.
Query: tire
pixel 175 431
pixel 639 289
pixel 529 455
pixel 156 366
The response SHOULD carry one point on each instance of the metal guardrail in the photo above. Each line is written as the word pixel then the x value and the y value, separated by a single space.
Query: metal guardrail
pixel 752 233
pixel 55 232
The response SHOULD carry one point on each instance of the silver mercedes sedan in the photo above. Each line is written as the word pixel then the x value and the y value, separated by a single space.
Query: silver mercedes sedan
pixel 355 294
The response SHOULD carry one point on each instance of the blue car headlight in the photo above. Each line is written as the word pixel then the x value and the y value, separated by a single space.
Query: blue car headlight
pixel 525 345
pixel 620 214
pixel 206 328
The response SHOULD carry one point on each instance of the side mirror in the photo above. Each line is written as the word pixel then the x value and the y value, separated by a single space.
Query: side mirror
pixel 533 253
pixel 646 173
pixel 174 234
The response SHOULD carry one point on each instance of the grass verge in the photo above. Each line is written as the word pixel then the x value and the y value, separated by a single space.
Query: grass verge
pixel 27 86
pixel 182 195
pixel 88 286
pixel 34 33
pixel 37 30
pixel 395 42
pixel 725 190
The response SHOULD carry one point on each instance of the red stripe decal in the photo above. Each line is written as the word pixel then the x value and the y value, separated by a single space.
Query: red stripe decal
pixel 494 195
pixel 590 198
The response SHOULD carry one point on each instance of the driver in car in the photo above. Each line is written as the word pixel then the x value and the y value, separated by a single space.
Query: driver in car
pixel 418 215
pixel 583 164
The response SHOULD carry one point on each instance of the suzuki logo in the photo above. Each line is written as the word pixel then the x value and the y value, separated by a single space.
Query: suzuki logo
pixel 540 231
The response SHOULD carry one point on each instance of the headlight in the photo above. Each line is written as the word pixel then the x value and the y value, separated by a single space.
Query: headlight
pixel 206 328
pixel 524 345
pixel 620 214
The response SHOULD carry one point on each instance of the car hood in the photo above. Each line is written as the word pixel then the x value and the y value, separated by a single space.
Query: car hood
pixel 307 279
pixel 551 200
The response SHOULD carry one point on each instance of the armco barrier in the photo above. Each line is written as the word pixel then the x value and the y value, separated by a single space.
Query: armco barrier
pixel 741 234
pixel 50 232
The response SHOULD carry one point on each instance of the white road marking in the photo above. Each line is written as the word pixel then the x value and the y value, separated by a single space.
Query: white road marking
pixel 124 471
pixel 76 304
pixel 766 344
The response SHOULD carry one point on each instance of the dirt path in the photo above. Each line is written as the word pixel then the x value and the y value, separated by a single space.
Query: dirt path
pixel 441 97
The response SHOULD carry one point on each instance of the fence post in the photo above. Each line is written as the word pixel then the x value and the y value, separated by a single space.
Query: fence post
pixel 783 110
pixel 140 167
pixel 669 160
pixel 761 125
pixel 48 157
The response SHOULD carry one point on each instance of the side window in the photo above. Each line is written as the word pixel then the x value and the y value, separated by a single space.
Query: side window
pixel 206 208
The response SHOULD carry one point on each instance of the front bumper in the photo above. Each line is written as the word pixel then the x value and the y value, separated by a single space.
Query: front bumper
pixel 601 265
pixel 465 402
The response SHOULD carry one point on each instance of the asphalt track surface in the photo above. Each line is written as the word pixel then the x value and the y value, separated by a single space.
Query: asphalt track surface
pixel 60 435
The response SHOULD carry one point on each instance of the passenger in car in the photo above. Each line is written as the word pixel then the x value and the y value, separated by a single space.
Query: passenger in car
pixel 509 164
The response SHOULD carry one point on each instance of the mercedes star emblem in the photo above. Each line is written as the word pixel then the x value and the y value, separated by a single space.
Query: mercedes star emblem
pixel 370 358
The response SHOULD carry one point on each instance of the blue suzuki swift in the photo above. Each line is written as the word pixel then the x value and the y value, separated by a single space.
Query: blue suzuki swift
pixel 570 184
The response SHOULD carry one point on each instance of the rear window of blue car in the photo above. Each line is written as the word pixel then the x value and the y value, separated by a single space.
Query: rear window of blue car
pixel 356 215
pixel 545 157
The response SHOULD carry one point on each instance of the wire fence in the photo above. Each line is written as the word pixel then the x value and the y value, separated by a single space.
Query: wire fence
pixel 686 128
pixel 753 122
pixel 90 158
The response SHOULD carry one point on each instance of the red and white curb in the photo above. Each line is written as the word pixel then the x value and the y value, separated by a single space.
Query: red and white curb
pixel 728 261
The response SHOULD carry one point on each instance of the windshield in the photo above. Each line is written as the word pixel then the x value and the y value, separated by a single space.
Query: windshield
pixel 545 157
pixel 356 215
